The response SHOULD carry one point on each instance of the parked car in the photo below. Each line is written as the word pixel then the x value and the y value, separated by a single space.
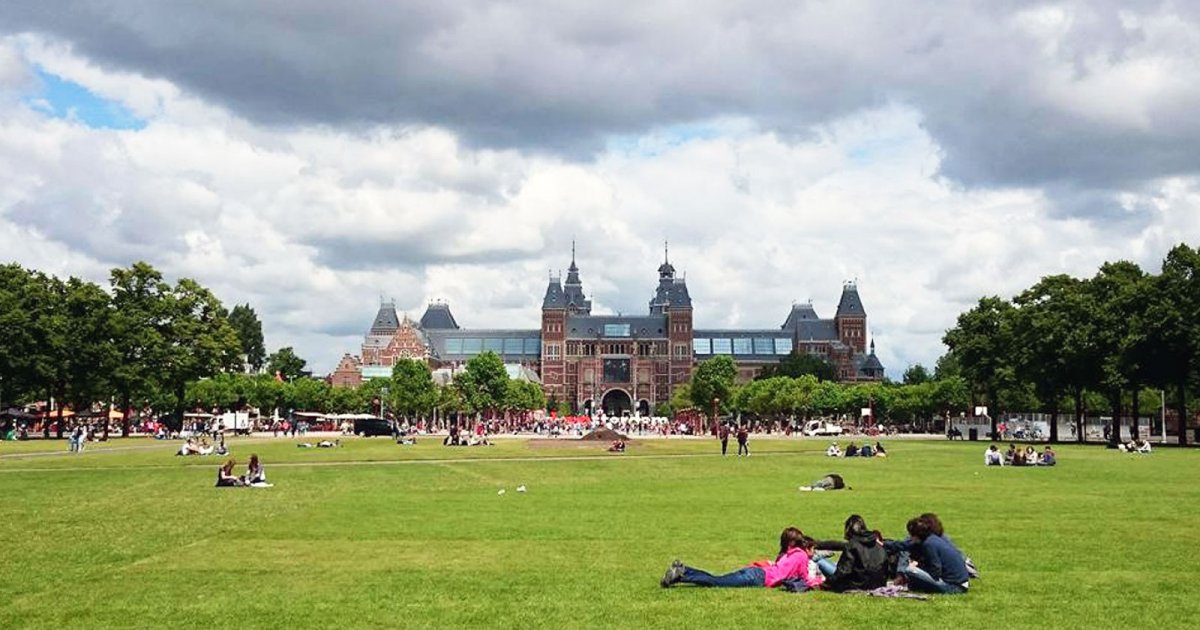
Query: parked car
pixel 819 427
pixel 368 427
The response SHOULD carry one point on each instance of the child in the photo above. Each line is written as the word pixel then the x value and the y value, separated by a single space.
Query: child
pixel 792 563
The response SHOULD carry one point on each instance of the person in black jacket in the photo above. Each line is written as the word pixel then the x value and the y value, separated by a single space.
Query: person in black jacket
pixel 863 563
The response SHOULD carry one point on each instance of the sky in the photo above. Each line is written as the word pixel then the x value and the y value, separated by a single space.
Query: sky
pixel 312 158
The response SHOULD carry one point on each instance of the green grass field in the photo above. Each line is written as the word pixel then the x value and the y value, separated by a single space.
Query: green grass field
pixel 378 535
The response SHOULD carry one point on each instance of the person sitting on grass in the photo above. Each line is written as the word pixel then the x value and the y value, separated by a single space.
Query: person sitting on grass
pixel 992 457
pixel 833 450
pixel 852 450
pixel 617 446
pixel 791 564
pixel 1031 456
pixel 831 481
pixel 1141 445
pixel 1048 458
pixel 225 477
pixel 879 450
pixel 866 451
pixel 863 564
pixel 942 568
pixel 256 475
pixel 1010 456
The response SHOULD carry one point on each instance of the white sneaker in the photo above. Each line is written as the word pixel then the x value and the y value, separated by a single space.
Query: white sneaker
pixel 805 489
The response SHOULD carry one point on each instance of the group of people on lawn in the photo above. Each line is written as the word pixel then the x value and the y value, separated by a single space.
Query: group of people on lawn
pixel 926 561
pixel 1019 457
pixel 256 475
pixel 854 450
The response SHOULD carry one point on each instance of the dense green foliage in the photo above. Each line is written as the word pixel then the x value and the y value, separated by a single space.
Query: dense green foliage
pixel 1066 341
pixel 130 536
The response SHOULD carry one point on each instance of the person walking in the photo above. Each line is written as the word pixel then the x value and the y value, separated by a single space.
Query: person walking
pixel 743 439
pixel 723 433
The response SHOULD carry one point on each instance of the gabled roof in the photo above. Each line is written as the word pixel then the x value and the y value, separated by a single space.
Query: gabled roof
pixel 386 320
pixel 438 317
pixel 671 292
pixel 850 304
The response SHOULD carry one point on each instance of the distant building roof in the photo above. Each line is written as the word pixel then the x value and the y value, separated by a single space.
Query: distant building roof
pixel 616 326
pixel 554 297
pixel 386 320
pixel 850 304
pixel 800 312
pixel 438 316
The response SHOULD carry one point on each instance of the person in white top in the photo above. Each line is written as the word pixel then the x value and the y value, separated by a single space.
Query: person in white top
pixel 993 457
pixel 833 450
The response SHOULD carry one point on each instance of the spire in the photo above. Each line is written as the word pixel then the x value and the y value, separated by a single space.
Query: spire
pixel 573 267
pixel 573 288
pixel 666 271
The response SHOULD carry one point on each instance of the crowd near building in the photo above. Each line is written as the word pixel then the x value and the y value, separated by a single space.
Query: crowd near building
pixel 616 363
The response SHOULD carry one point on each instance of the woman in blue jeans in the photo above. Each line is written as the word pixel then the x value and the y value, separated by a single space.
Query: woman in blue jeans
pixel 791 564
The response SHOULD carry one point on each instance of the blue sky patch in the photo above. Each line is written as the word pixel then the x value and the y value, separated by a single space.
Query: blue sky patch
pixel 68 100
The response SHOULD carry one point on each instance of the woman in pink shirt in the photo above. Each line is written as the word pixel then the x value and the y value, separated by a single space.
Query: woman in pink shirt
pixel 791 564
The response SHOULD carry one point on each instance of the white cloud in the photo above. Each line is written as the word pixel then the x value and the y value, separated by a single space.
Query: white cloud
pixel 312 225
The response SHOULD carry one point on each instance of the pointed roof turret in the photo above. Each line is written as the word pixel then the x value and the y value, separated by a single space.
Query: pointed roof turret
pixel 871 365
pixel 850 304
pixel 554 297
pixel 573 288
pixel 666 270
pixel 386 320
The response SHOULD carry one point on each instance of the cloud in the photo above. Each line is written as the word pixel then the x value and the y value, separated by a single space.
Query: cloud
pixel 1098 95
pixel 453 153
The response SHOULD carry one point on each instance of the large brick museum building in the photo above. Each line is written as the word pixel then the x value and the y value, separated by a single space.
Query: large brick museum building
pixel 623 362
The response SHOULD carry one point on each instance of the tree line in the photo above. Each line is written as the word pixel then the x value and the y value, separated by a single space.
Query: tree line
pixel 135 344
pixel 1066 340
pixel 804 387
pixel 481 388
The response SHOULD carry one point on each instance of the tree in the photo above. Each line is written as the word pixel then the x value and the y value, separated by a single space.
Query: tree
pixel 947 366
pixel 308 394
pixel 484 383
pixel 916 374
pixel 250 336
pixel 712 380
pixel 1117 291
pixel 91 355
pixel 1173 327
pixel 199 340
pixel 1042 324
pixel 982 342
pixel 139 333
pixel 285 363
pixel 412 390
pixel 799 364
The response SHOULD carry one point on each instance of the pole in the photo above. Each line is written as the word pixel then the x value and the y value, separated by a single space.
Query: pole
pixel 1162 397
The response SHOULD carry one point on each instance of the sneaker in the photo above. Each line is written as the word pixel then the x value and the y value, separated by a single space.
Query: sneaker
pixel 674 574
pixel 805 488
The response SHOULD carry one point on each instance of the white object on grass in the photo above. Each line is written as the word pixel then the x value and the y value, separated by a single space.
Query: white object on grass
pixel 521 488
pixel 501 491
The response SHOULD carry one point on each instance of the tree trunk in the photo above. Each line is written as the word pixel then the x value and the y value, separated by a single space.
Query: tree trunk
pixel 1137 411
pixel 46 420
pixel 1183 417
pixel 58 429
pixel 1079 414
pixel 1114 437
pixel 1054 425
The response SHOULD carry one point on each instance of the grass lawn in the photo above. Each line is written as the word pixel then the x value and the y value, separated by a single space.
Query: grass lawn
pixel 378 535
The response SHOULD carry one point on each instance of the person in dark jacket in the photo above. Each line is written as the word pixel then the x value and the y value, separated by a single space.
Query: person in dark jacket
pixel 942 569
pixel 863 563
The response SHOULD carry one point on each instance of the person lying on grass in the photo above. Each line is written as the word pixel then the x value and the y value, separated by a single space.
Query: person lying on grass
pixel 832 481
pixel 863 564
pixel 942 567
pixel 791 564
